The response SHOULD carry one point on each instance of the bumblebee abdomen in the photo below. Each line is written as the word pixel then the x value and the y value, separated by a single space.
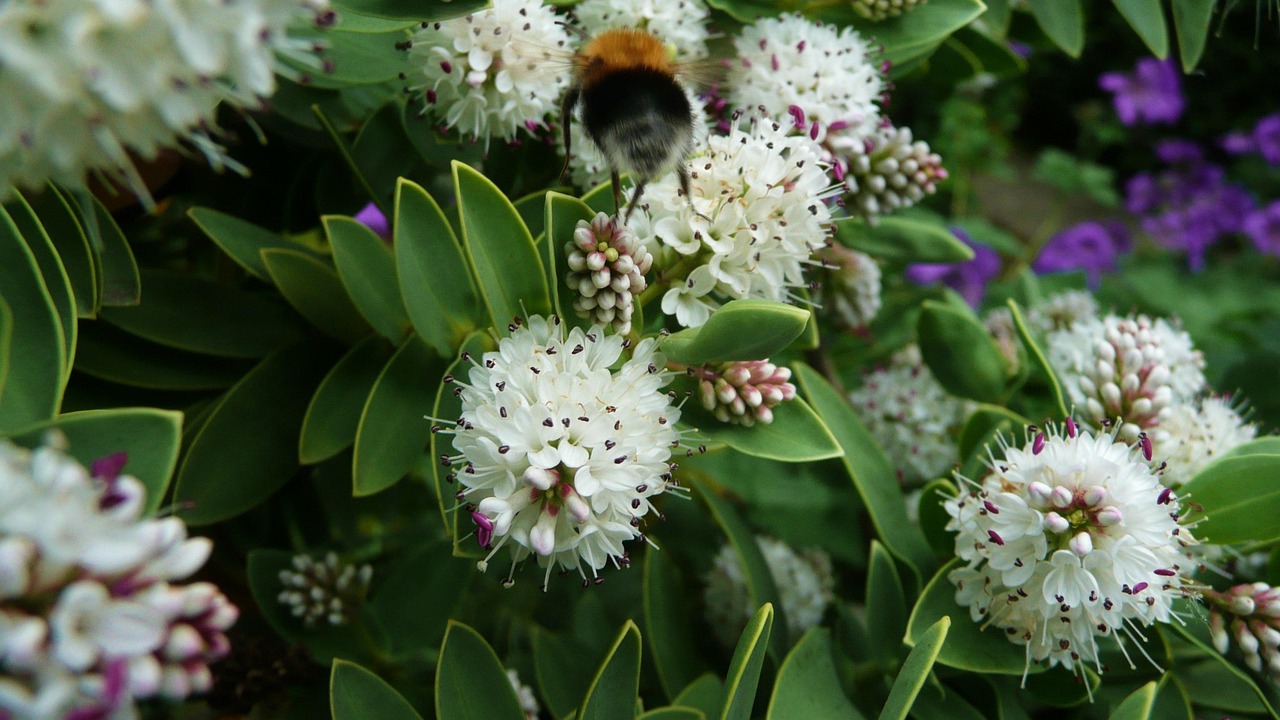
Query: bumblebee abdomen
pixel 641 120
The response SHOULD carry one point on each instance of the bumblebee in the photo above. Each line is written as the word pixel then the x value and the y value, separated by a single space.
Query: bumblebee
pixel 634 109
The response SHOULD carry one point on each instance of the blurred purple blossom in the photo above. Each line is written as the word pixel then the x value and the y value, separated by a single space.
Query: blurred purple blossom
pixel 968 278
pixel 1264 140
pixel 1091 246
pixel 1152 94
pixel 371 217
pixel 1190 205
pixel 1263 227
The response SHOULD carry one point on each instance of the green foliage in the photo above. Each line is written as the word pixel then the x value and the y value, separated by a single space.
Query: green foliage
pixel 944 332
pixel 906 238
pixel 741 330
pixel 470 681
pixel 1240 497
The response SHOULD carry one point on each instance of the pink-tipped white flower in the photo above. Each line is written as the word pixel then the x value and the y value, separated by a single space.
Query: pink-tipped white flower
pixel 90 85
pixel 489 74
pixel 893 171
pixel 1069 538
pixel 89 619
pixel 805 583
pixel 1133 370
pixel 744 392
pixel 559 455
pixel 755 214
pixel 607 266
pixel 911 416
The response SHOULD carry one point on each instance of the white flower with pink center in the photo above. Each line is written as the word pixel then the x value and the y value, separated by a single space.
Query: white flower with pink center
pixel 1069 538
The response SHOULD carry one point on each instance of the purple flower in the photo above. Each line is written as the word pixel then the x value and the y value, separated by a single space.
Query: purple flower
pixel 1152 94
pixel 968 278
pixel 371 217
pixel 1180 152
pixel 1263 227
pixel 1267 135
pixel 1090 246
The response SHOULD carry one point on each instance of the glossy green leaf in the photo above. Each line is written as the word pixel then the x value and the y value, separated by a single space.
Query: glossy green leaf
pixel 412 10
pixel 613 690
pixel 241 240
pixel 109 353
pixel 1037 356
pixel 967 646
pixel 435 280
pixel 334 413
pixel 674 712
pixel 562 216
pixel 740 330
pixel 36 357
pixel 1191 22
pixel 1146 17
pixel 189 313
pixel 393 432
pixel 500 249
pixel 471 683
pixel 1049 690
pixel 379 147
pixel 339 140
pixel 1221 685
pixel 446 408
pixel 314 289
pixel 915 670
pixel 870 471
pixel 351 58
pixel 886 607
pixel 248 447
pixel 934 518
pixel 761 589
pixel 357 694
pixel 6 341
pixel 118 270
pixel 1240 497
pixel 562 667
pixel 946 335
pixel 808 685
pixel 748 659
pixel 668 624
pixel 368 271
pixel 53 273
pixel 78 259
pixel 981 426
pixel 1172 700
pixel 1062 21
pixel 149 436
pixel 913 35
pixel 930 705
pixel 903 240
pixel 705 694
pixel 417 591
pixel 1137 706
pixel 1268 445
pixel 796 434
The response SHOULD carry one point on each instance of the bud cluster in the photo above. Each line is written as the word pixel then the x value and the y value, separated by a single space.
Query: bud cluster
pixel 893 172
pixel 607 265
pixel 327 590
pixel 1248 614
pixel 744 392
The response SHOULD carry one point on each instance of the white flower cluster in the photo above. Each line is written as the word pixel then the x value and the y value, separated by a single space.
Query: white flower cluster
pixel 89 85
pixel 1250 615
pixel 1197 433
pixel 89 621
pixel 1069 538
pixel 893 172
pixel 489 74
pixel 682 24
pixel 911 416
pixel 327 590
pixel 826 79
pixel 524 693
pixel 850 287
pixel 607 265
pixel 559 455
pixel 744 392
pixel 804 581
pixel 758 212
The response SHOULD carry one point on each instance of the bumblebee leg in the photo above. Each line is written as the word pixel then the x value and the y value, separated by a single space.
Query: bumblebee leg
pixel 682 173
pixel 635 200
pixel 567 105
pixel 617 191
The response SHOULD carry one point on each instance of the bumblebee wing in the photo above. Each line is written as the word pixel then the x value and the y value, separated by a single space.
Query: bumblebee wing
pixel 702 72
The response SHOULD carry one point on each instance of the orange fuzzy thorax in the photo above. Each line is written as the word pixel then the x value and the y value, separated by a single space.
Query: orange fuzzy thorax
pixel 622 49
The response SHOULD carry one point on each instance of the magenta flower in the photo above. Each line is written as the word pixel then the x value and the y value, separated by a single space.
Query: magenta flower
pixel 1151 95
pixel 1263 228
pixel 1089 246
pixel 968 278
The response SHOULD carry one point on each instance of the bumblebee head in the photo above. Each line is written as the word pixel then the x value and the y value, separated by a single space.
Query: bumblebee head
pixel 623 49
